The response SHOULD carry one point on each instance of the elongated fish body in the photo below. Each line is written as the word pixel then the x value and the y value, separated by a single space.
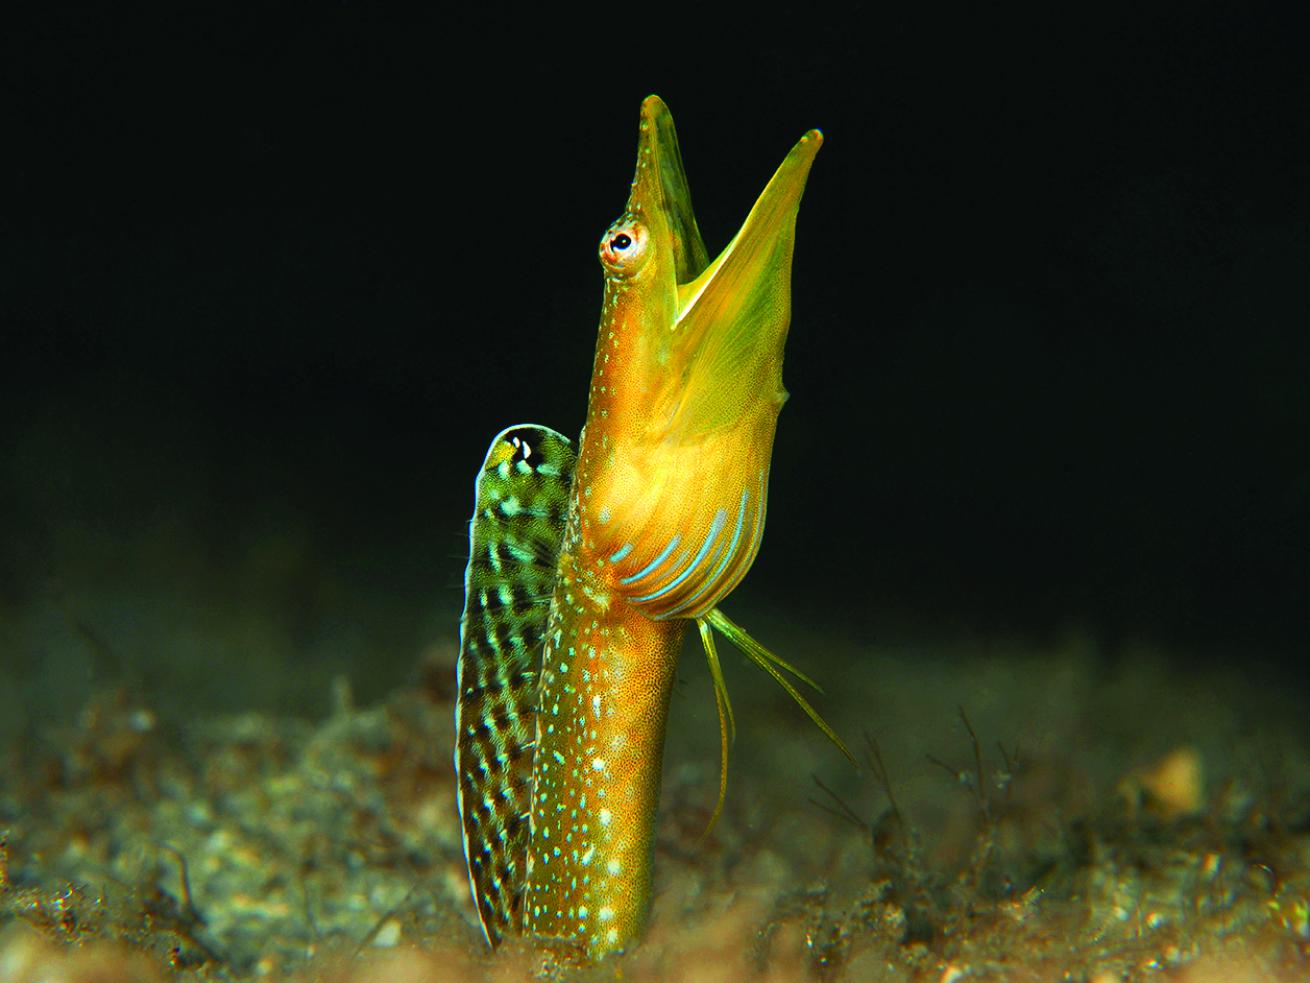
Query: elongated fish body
pixel 585 571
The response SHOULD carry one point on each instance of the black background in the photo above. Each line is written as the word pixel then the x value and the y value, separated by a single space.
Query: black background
pixel 1049 350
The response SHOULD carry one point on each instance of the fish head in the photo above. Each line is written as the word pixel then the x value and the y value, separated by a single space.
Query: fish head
pixel 692 346
pixel 687 382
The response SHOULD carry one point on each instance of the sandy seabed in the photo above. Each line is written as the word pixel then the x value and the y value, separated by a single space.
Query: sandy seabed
pixel 1023 812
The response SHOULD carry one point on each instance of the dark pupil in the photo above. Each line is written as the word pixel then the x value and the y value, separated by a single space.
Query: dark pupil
pixel 621 241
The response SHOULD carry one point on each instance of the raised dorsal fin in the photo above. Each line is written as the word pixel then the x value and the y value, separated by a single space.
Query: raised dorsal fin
pixel 522 500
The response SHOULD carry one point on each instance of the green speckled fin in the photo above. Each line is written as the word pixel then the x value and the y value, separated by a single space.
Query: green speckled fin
pixel 522 497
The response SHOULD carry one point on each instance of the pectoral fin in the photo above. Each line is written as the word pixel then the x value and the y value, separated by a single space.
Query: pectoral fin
pixel 771 664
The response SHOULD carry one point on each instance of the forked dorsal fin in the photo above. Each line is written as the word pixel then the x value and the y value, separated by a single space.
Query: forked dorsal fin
pixel 521 504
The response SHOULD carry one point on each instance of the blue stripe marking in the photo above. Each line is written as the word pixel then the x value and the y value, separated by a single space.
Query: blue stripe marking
pixel 758 533
pixel 676 564
pixel 720 517
pixel 718 552
pixel 646 571
pixel 723 562
pixel 620 553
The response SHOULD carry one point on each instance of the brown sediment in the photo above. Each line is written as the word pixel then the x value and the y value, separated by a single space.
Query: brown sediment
pixel 331 849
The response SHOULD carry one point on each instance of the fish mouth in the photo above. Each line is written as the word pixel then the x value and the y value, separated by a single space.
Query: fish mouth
pixel 713 331
pixel 661 195
pixel 660 188
pixel 761 249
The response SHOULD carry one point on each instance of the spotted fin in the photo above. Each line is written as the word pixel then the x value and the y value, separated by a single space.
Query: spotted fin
pixel 521 502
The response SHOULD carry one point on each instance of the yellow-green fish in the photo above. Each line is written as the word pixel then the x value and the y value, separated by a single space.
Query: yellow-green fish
pixel 585 569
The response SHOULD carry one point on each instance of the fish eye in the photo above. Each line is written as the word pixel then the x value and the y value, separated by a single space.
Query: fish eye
pixel 623 247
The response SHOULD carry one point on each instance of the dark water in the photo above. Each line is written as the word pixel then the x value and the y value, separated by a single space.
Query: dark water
pixel 270 285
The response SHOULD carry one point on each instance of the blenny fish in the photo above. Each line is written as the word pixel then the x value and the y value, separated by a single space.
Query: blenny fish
pixel 586 566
